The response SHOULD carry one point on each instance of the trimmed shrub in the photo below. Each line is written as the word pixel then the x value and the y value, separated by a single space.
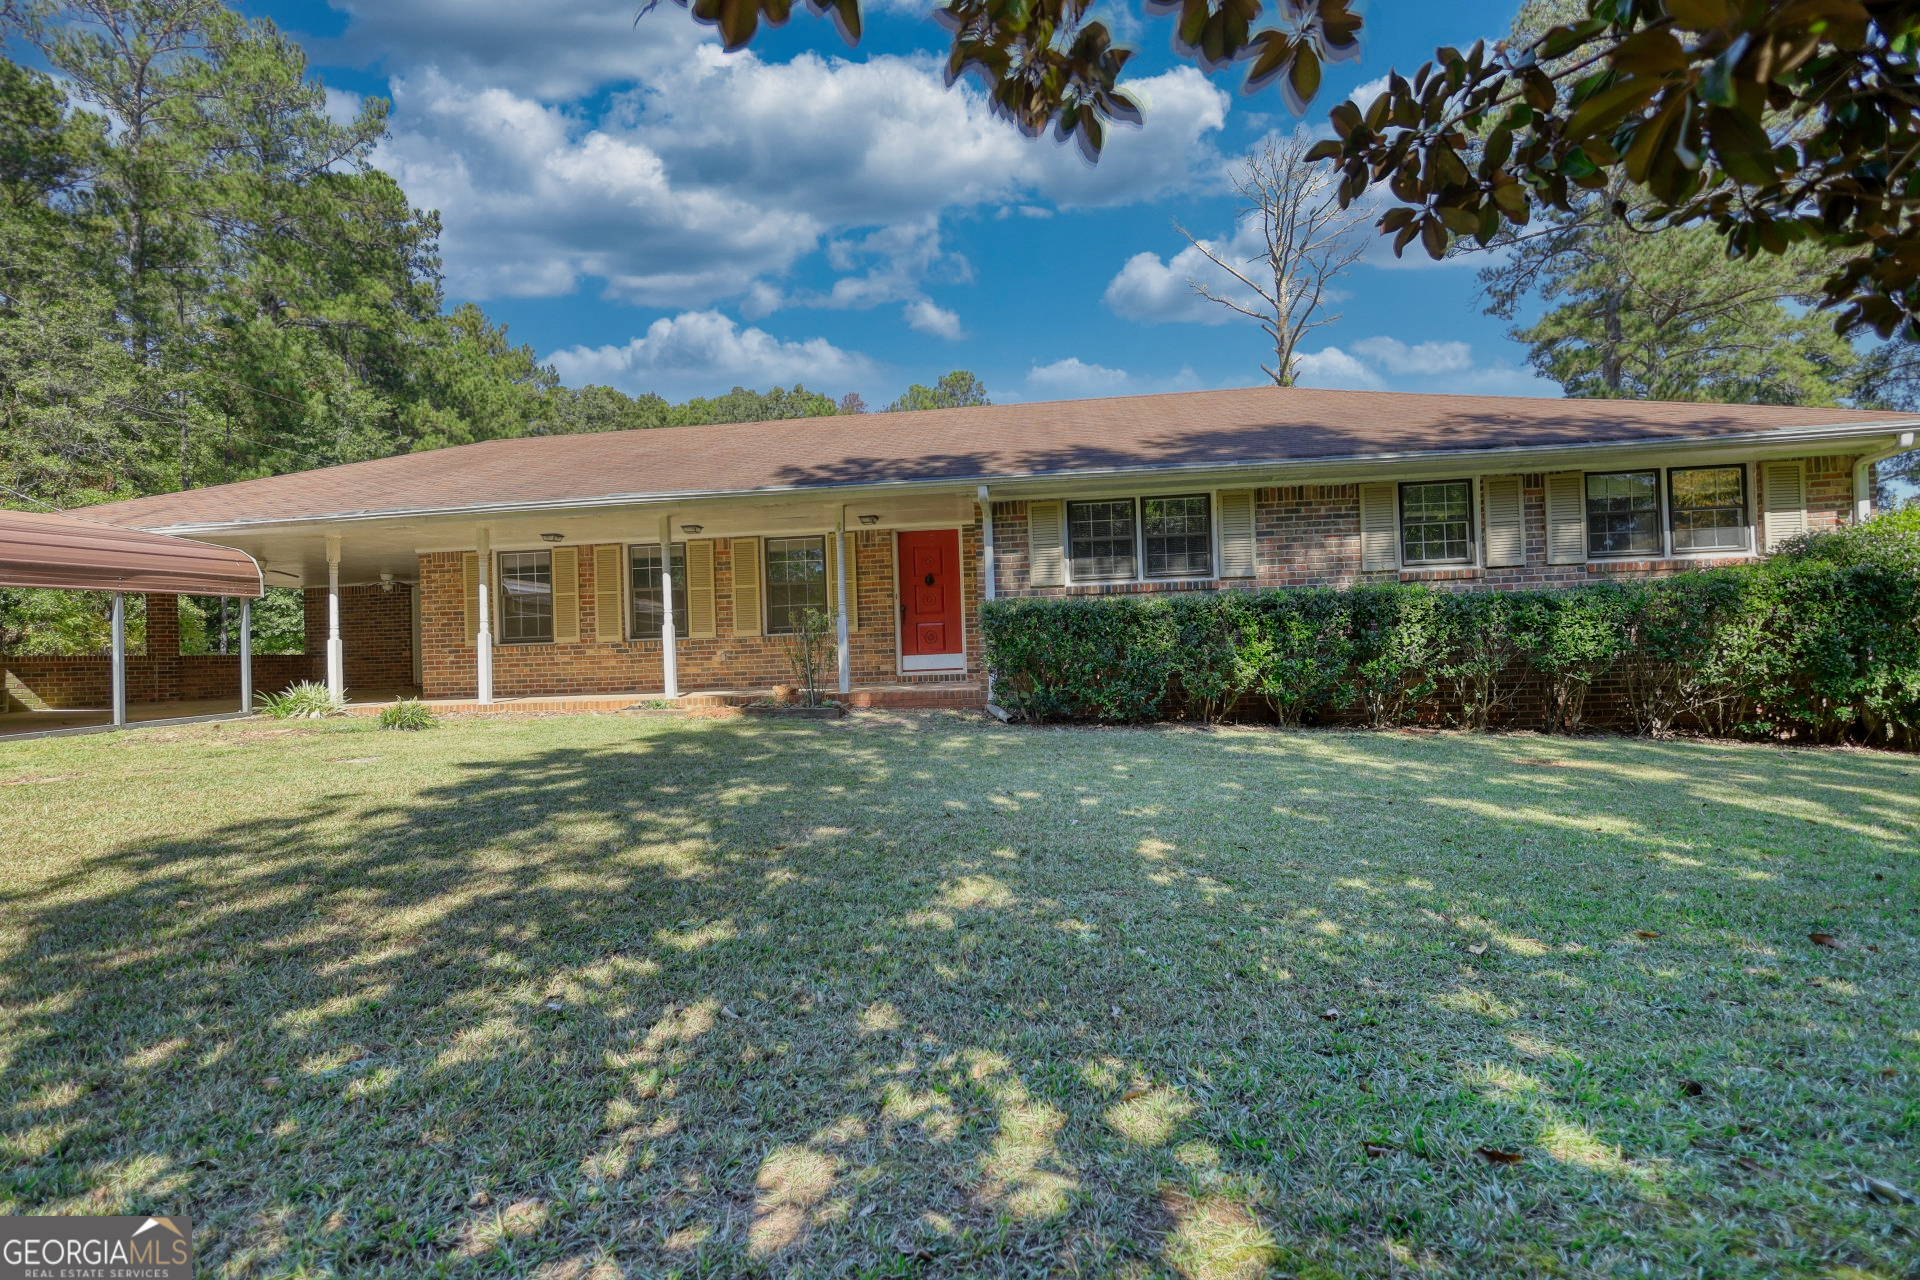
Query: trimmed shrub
pixel 1819 642
pixel 409 714
pixel 306 700
pixel 1300 650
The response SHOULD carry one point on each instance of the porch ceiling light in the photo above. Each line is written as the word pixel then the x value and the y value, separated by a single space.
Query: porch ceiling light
pixel 691 528
pixel 553 537
pixel 869 519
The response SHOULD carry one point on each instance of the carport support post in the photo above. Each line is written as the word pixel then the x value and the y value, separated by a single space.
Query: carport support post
pixel 669 659
pixel 246 654
pixel 843 649
pixel 336 655
pixel 119 660
pixel 483 639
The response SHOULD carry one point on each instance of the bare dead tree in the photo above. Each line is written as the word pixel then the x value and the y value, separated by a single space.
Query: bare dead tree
pixel 1309 241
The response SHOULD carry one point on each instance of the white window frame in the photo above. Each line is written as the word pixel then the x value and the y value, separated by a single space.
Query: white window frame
pixel 1664 471
pixel 1138 498
pixel 499 585
pixel 626 592
pixel 1475 534
pixel 766 578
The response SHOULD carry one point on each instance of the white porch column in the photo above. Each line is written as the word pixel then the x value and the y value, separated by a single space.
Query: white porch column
pixel 336 652
pixel 119 660
pixel 246 654
pixel 483 641
pixel 986 543
pixel 986 566
pixel 841 645
pixel 669 654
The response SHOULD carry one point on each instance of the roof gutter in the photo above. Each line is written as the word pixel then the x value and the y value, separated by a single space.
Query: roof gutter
pixel 1863 476
pixel 1267 469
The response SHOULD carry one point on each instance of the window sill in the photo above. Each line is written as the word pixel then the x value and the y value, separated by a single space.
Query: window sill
pixel 1669 564
pixel 1441 573
pixel 1137 586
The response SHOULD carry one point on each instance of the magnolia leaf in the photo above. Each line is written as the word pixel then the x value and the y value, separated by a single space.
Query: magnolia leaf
pixel 1698 15
pixel 1493 1155
pixel 1824 940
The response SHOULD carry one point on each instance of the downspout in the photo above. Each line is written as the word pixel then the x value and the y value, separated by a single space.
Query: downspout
pixel 1863 476
pixel 987 591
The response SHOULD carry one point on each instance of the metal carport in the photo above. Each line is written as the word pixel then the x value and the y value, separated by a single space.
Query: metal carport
pixel 70 553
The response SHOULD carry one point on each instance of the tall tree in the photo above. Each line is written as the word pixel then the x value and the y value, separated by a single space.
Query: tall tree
pixel 959 389
pixel 1307 240
pixel 1667 315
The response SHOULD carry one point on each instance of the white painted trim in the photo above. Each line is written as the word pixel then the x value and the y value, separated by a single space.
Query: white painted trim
pixel 1140 578
pixel 902 661
pixel 1476 562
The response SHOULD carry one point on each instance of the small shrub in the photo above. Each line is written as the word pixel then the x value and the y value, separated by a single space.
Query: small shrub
pixel 1572 638
pixel 1479 648
pixel 1396 650
pixel 307 700
pixel 408 713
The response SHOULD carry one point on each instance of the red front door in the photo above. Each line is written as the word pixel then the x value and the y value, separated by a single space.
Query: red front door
pixel 929 593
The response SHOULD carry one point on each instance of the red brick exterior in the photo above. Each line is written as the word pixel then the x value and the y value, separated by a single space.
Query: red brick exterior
pixel 723 661
pixel 376 626
pixel 1309 535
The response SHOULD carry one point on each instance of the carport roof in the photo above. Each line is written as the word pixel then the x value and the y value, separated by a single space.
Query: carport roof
pixel 47 549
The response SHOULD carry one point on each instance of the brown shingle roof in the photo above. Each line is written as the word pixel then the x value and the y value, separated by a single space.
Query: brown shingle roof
pixel 43 549
pixel 1263 425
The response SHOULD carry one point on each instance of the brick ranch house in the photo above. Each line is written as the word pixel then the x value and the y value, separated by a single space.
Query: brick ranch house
pixel 534 567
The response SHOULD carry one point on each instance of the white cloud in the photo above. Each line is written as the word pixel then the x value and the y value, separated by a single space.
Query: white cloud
pixel 717 171
pixel 1334 368
pixel 1388 364
pixel 1365 92
pixel 1154 291
pixel 1072 377
pixel 701 352
pixel 1426 357
pixel 925 317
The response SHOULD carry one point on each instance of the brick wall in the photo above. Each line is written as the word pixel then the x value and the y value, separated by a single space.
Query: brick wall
pixel 1309 535
pixel 376 627
pixel 376 636
pixel 723 661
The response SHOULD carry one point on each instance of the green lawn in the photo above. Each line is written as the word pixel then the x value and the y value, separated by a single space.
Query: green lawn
pixel 927 996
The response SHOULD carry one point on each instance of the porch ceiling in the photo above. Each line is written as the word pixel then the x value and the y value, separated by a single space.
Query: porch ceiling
pixel 297 557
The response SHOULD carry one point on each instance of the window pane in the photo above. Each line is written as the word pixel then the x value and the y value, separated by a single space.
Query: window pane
pixel 1179 536
pixel 1436 522
pixel 1709 508
pixel 796 581
pixel 644 573
pixel 1623 514
pixel 526 596
pixel 1100 539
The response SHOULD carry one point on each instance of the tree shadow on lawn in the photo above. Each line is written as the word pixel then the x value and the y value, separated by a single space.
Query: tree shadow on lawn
pixel 726 999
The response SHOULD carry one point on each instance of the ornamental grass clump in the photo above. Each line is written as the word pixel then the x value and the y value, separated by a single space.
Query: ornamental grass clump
pixel 307 700
pixel 409 714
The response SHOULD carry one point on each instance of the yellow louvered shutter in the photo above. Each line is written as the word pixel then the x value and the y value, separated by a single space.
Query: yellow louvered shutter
pixel 1236 534
pixel 1506 529
pixel 1379 526
pixel 1046 563
pixel 1566 518
pixel 470 593
pixel 746 587
pixel 1784 486
pixel 607 622
pixel 566 595
pixel 700 623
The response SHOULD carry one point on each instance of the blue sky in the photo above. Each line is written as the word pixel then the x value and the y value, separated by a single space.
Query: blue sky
pixel 649 212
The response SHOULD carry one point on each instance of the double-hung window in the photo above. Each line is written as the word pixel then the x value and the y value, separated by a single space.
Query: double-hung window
pixel 643 576
pixel 1100 541
pixel 1623 514
pixel 1709 508
pixel 1436 522
pixel 796 582
pixel 1127 539
pixel 526 597
pixel 1178 536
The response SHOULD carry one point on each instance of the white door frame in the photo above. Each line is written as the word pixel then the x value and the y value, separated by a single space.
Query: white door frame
pixel 928 663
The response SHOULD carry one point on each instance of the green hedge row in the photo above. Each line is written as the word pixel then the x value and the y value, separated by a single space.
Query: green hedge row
pixel 1820 641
